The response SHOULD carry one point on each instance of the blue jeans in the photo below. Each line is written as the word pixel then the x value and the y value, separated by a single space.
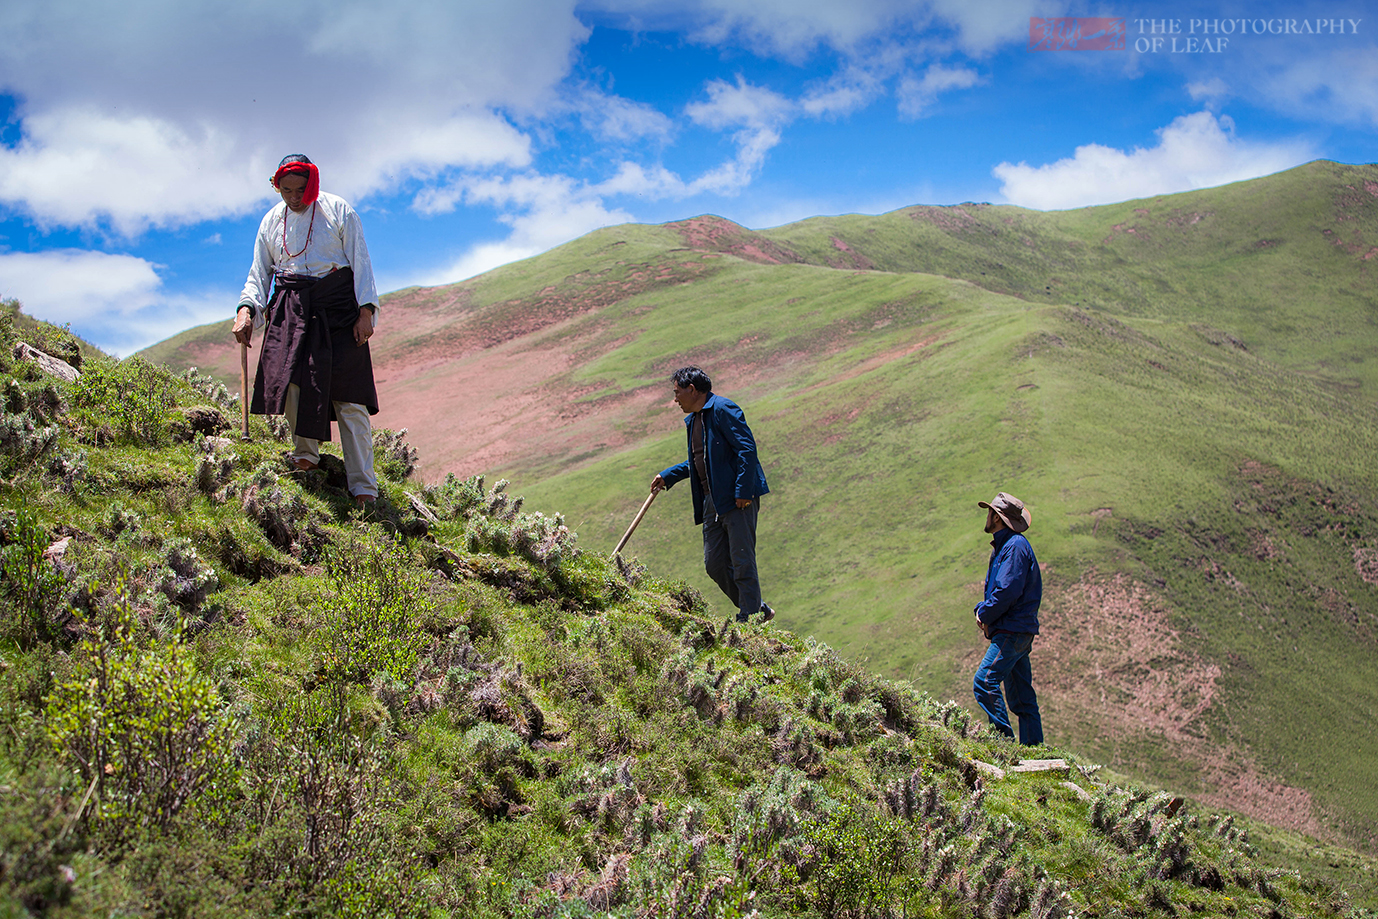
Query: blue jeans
pixel 729 554
pixel 1007 661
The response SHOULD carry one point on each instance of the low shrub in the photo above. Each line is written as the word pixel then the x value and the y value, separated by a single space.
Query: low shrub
pixel 125 402
pixel 23 442
pixel 142 724
pixel 395 458
pixel 374 623
pixel 33 585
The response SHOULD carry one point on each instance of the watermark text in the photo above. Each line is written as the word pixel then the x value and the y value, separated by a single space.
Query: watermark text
pixel 1188 35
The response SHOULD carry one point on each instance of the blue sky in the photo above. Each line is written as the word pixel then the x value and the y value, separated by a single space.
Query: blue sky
pixel 136 139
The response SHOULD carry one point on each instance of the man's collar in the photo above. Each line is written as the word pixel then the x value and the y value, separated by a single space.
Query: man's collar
pixel 707 403
pixel 999 538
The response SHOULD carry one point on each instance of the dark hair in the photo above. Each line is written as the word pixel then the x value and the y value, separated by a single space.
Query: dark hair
pixel 692 376
pixel 294 158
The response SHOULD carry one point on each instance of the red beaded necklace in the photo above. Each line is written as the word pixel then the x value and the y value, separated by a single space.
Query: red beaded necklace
pixel 310 228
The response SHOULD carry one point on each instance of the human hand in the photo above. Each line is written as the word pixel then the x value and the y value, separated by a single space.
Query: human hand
pixel 244 326
pixel 657 484
pixel 363 326
pixel 742 502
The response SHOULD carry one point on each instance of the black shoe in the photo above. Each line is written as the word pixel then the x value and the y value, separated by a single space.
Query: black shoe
pixel 767 613
pixel 743 617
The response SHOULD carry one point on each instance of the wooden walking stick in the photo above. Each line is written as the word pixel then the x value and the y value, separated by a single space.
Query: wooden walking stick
pixel 244 388
pixel 631 529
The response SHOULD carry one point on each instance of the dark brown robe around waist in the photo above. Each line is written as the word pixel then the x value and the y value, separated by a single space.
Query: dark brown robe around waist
pixel 308 340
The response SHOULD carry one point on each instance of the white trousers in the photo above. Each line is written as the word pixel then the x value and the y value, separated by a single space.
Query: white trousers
pixel 356 442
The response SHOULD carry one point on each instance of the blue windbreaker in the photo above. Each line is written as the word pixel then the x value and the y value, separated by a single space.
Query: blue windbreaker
pixel 733 470
pixel 1014 585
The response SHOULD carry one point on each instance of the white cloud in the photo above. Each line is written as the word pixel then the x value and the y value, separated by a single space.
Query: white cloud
pixel 743 105
pixel 145 113
pixel 117 301
pixel 758 113
pixel 795 28
pixel 617 119
pixel 1195 151
pixel 546 211
pixel 915 95
pixel 543 212
pixel 77 165
pixel 983 27
pixel 848 91
pixel 1341 86
pixel 840 98
pixel 72 285
pixel 1214 88
pixel 634 179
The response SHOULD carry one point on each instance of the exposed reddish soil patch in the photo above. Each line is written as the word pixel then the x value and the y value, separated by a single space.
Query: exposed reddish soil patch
pixel 880 360
pixel 1120 228
pixel 714 234
pixel 1108 659
pixel 953 218
pixel 849 257
pixel 1347 200
pixel 502 406
pixel 1366 564
pixel 1113 650
pixel 221 360
pixel 1262 546
pixel 467 332
pixel 1236 784
pixel 1187 218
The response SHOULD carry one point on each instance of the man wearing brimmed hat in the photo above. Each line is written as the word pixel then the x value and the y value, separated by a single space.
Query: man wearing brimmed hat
pixel 315 365
pixel 1008 618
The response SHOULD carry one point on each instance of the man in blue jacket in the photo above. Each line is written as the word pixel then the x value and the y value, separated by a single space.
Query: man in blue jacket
pixel 1008 618
pixel 726 482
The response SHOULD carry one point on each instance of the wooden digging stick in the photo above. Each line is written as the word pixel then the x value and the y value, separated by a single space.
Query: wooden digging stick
pixel 631 529
pixel 244 388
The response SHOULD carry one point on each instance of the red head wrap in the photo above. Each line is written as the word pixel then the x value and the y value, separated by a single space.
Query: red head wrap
pixel 313 179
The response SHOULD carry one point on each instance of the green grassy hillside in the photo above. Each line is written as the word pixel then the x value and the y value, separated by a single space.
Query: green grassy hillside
pixel 1146 451
pixel 1182 388
pixel 204 348
pixel 1281 262
pixel 228 693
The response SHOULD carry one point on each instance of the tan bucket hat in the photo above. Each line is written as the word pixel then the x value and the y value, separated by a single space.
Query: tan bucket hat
pixel 1011 510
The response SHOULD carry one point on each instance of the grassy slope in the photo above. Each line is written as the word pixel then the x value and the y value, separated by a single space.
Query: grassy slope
pixel 870 538
pixel 1278 261
pixel 203 348
pixel 442 719
pixel 1141 389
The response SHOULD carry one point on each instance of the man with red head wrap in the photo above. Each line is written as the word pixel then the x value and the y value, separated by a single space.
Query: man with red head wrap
pixel 317 320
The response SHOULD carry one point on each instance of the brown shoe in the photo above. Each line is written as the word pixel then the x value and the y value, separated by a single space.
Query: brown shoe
pixel 305 465
pixel 767 613
pixel 364 502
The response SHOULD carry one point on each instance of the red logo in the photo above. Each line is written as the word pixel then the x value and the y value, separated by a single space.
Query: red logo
pixel 1096 33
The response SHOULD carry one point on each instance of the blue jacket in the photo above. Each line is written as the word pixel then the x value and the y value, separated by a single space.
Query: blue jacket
pixel 733 470
pixel 1014 585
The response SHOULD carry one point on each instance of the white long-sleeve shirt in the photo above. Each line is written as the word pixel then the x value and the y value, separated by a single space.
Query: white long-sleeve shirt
pixel 337 241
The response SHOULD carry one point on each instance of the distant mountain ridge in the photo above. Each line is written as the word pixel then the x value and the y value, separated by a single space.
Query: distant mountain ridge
pixel 1182 387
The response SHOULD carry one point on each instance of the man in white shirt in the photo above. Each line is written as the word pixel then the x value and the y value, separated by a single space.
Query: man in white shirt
pixel 317 320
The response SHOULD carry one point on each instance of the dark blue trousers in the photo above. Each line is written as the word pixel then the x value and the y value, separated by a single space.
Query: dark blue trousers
pixel 729 554
pixel 1007 661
